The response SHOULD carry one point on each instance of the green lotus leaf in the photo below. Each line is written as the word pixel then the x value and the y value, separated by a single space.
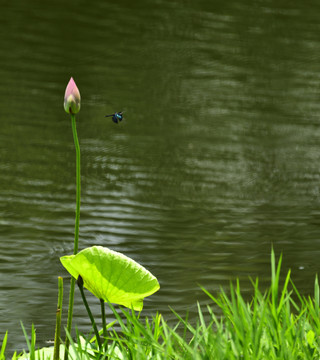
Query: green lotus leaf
pixel 112 276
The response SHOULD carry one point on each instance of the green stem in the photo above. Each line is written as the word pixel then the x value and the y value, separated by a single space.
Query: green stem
pixel 76 230
pixel 56 355
pixel 78 180
pixel 80 285
pixel 104 325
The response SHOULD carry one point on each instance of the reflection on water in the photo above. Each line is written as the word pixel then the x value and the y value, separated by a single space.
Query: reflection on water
pixel 216 159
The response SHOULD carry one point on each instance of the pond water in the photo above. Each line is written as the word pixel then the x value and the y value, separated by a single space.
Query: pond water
pixel 217 158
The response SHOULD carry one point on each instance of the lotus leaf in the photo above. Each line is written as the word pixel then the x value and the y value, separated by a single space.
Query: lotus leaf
pixel 112 276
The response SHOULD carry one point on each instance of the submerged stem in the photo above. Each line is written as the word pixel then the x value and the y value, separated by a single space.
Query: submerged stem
pixel 76 230
pixel 80 285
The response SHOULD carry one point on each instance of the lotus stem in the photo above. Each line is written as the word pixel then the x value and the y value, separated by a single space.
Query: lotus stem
pixel 104 325
pixel 78 181
pixel 80 285
pixel 76 230
pixel 56 355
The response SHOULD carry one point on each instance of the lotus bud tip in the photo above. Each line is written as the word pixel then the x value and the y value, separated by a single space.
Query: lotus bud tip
pixel 72 98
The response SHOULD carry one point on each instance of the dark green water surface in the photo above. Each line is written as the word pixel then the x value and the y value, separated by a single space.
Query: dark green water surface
pixel 217 159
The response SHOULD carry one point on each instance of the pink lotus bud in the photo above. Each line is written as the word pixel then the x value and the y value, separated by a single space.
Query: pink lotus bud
pixel 72 98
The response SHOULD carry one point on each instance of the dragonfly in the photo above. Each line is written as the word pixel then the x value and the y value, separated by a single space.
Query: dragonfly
pixel 116 117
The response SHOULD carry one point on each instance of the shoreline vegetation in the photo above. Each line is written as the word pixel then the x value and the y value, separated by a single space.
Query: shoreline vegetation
pixel 277 324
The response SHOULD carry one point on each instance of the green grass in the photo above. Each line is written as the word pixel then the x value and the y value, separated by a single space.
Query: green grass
pixel 276 324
